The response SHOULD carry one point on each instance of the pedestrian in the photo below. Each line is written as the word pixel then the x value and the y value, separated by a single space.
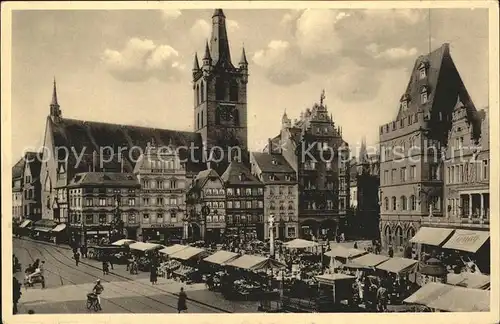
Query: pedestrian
pixel 154 275
pixel 77 258
pixel 382 298
pixel 105 267
pixel 181 302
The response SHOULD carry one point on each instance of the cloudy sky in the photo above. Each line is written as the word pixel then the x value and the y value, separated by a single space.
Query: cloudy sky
pixel 134 66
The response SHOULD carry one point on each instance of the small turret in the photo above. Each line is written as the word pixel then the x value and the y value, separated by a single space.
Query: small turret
pixel 243 61
pixel 285 121
pixel 207 58
pixel 196 65
pixel 55 110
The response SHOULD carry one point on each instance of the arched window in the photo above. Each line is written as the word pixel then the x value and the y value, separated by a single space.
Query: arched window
pixel 394 203
pixel 388 235
pixel 202 118
pixel 386 203
pixel 399 236
pixel 198 120
pixel 403 203
pixel 202 92
pixel 423 95
pixel 233 91
pixel 220 90
pixel 413 203
pixel 411 233
pixel 197 95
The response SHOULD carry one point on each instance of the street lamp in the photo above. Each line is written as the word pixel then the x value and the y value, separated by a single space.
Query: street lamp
pixel 271 235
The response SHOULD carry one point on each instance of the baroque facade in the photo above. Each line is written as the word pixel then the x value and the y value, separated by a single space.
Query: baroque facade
pixel 314 148
pixel 280 194
pixel 412 147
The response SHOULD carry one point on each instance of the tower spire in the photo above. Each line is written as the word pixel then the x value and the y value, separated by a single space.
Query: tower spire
pixel 243 60
pixel 54 94
pixel 207 56
pixel 55 111
pixel 196 65
pixel 219 43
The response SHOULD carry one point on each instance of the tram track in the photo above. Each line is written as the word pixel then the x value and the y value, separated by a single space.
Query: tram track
pixel 159 290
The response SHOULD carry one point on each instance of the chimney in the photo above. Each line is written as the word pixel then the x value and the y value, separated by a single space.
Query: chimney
pixel 270 146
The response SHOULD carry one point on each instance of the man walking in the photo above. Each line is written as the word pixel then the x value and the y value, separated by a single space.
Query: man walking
pixel 77 258
pixel 181 302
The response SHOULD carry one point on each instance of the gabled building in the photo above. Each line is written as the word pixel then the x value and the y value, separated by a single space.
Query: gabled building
pixel 412 146
pixel 32 208
pixel 280 194
pixel 314 148
pixel 206 201
pixel 17 190
pixel 244 203
pixel 162 176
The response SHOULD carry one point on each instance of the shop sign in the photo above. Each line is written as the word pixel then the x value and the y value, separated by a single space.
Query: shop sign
pixel 166 225
pixel 466 239
pixel 216 225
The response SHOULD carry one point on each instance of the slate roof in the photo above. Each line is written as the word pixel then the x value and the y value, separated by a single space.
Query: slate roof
pixel 18 169
pixel 89 136
pixel 202 177
pixel 265 163
pixel 232 175
pixel 104 179
pixel 35 164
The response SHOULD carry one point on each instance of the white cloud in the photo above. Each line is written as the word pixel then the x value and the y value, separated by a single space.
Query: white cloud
pixel 141 60
pixel 169 14
pixel 396 53
pixel 232 25
pixel 280 63
pixel 200 31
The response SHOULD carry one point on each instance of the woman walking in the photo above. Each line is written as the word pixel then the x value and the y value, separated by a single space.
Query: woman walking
pixel 154 275
pixel 181 302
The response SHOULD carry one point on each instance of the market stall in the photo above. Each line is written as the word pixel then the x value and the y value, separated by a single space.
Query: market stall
pixel 190 270
pixel 143 252
pixel 469 280
pixel 23 228
pixel 221 257
pixel 450 298
pixel 123 242
pixel 113 253
pixel 370 260
pixel 400 266
pixel 42 229
pixel 169 250
pixel 300 244
pixel 344 254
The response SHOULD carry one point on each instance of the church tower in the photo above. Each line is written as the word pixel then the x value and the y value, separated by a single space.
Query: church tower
pixel 55 109
pixel 220 93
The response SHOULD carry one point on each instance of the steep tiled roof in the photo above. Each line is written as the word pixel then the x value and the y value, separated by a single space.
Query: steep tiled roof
pixel 203 176
pixel 87 136
pixel 233 173
pixel 104 179
pixel 272 163
pixel 35 164
pixel 18 169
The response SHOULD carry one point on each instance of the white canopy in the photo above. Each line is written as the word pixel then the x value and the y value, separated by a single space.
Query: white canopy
pixel 123 242
pixel 398 265
pixel 187 253
pixel 255 262
pixel 221 257
pixel 338 251
pixel 330 278
pixel 469 280
pixel 59 228
pixel 370 260
pixel 169 250
pixel 25 223
pixel 143 246
pixel 300 244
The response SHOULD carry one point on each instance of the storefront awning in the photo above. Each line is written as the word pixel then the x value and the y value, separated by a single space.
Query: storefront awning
pixel 42 229
pixel 330 278
pixel 169 250
pixel 469 280
pixel 123 242
pixel 370 260
pixel 25 223
pixel 142 246
pixel 300 244
pixel 431 235
pixel 398 265
pixel 187 253
pixel 59 228
pixel 461 299
pixel 221 257
pixel 428 293
pixel 339 251
pixel 247 261
pixel 467 240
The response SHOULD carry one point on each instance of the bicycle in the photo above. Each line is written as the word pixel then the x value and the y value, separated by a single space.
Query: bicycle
pixel 92 302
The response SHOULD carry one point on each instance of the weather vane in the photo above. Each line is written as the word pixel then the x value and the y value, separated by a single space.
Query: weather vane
pixel 322 98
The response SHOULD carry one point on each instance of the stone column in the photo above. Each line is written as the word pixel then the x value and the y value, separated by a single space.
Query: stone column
pixel 470 206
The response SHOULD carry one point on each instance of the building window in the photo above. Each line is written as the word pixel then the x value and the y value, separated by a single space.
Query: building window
pixel 88 202
pixel 146 201
pixel 386 176
pixel 403 203
pixel 399 236
pixel 413 172
pixel 145 184
pixel 412 203
pixel 159 184
pixel 159 201
pixel 249 204
pixel 393 175
pixel 233 91
pixel 102 202
pixel 237 192
pixel 386 203
pixel 237 204
pixel 248 191
pixel 173 184
pixel 102 219
pixel 291 233
pixel 485 175
pixel 403 175
pixel 394 203
pixel 131 201
pixel 423 96
pixel 159 218
pixel 422 73
pixel 452 178
pixel 260 191
pixel 229 204
pixel 388 235
pixel 145 218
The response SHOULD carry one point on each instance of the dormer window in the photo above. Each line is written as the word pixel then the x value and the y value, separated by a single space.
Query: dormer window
pixel 287 177
pixel 274 162
pixel 272 177
pixel 424 95
pixel 404 102
pixel 422 70
pixel 242 176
